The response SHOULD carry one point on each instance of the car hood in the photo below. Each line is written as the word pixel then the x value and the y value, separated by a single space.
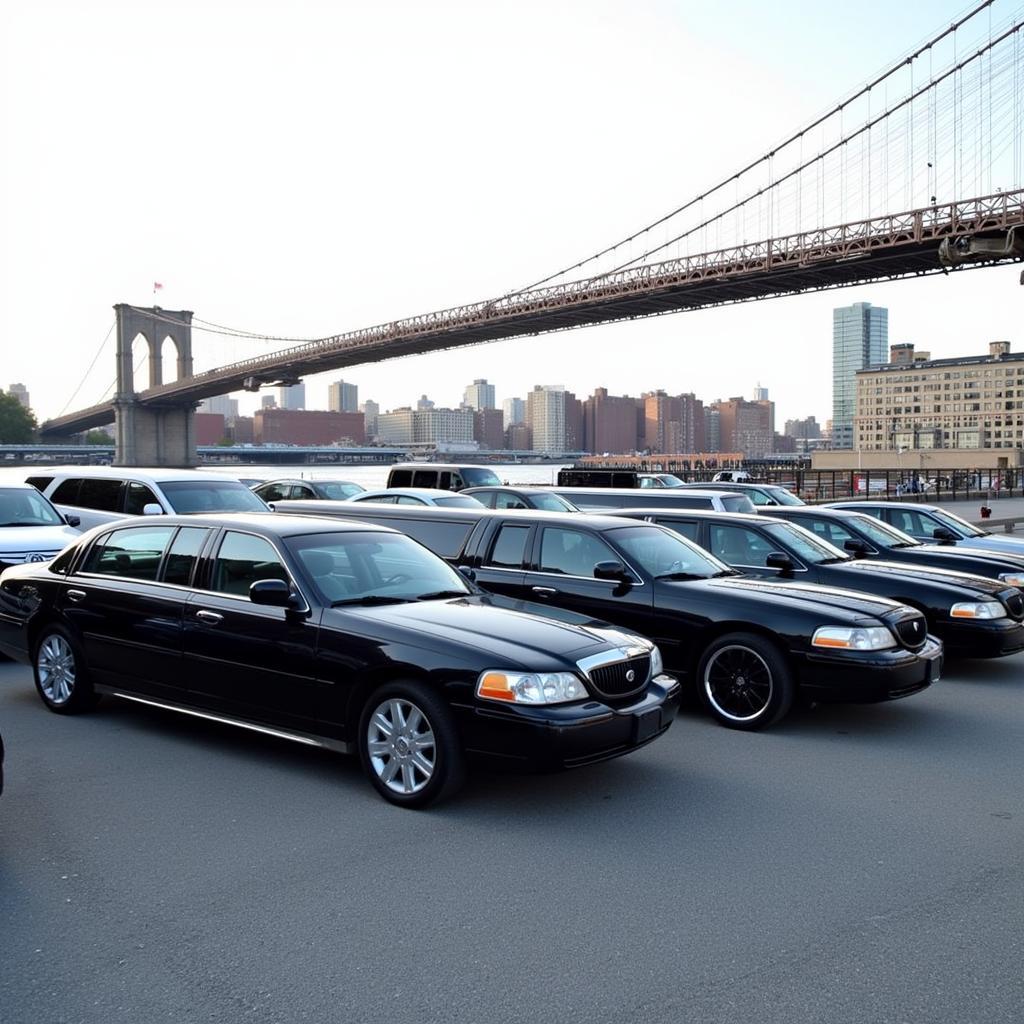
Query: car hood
pixel 26 541
pixel 1010 560
pixel 512 632
pixel 805 595
pixel 1007 545
pixel 927 574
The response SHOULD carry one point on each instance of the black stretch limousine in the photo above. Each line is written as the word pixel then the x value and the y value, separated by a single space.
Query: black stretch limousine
pixel 750 645
pixel 346 636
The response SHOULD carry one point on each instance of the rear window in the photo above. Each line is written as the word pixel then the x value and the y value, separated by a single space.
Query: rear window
pixel 133 553
pixel 40 483
pixel 190 496
pixel 400 478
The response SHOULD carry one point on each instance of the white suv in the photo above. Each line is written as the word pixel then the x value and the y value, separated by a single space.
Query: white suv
pixel 103 494
pixel 31 529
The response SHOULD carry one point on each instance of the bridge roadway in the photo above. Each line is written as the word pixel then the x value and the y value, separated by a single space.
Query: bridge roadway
pixel 890 247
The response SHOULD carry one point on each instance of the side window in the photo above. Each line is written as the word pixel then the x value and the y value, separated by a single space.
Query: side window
pixel 573 552
pixel 181 558
pixel 66 493
pixel 101 495
pixel 444 480
pixel 509 550
pixel 135 553
pixel 400 478
pixel 832 532
pixel 457 482
pixel 444 539
pixel 408 499
pixel 486 498
pixel 759 497
pixel 383 499
pixel 425 478
pixel 40 483
pixel 504 500
pixel 686 529
pixel 244 559
pixel 736 545
pixel 275 492
pixel 137 498
pixel 301 491
pixel 913 523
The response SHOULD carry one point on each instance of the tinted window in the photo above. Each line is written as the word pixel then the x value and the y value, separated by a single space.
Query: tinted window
pixel 444 539
pixel 400 478
pixel 66 493
pixel 21 507
pixel 458 501
pixel 377 499
pixel 181 558
pixel 424 478
pixel 828 530
pixel 805 543
pixel 573 552
pixel 138 496
pixel 737 503
pixel 40 483
pixel 736 545
pixel 663 552
pixel 509 549
pixel 408 499
pixel 505 500
pixel 272 492
pixel 912 522
pixel 552 503
pixel 444 481
pixel 338 491
pixel 134 553
pixel 102 495
pixel 477 477
pixel 300 492
pixel 187 496
pixel 244 559
pixel 685 529
pixel 487 498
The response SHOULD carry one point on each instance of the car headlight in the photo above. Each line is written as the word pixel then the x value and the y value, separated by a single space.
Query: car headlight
pixel 1014 579
pixel 857 638
pixel 530 687
pixel 657 665
pixel 977 610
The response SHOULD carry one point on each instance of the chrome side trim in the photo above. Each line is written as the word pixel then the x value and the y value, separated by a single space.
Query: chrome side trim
pixel 298 737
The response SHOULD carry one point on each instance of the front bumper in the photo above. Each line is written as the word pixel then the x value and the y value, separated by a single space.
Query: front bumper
pixel 866 677
pixel 550 738
pixel 974 638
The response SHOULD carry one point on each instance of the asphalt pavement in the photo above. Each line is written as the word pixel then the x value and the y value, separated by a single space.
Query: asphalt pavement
pixel 860 864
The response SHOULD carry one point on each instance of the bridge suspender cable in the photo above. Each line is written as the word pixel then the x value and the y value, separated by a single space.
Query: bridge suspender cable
pixel 907 60
pixel 87 372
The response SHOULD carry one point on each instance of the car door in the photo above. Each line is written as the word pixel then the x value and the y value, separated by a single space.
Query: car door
pixel 126 602
pixel 249 660
pixel 562 574
pixel 919 525
pixel 502 569
pixel 302 492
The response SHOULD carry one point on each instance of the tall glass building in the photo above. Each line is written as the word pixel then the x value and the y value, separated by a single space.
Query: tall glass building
pixel 860 339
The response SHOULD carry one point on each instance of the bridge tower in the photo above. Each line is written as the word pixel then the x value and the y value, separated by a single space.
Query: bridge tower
pixel 154 434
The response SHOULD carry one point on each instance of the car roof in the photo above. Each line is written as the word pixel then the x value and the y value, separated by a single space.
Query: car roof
pixel 441 465
pixel 307 480
pixel 414 492
pixel 16 486
pixel 711 492
pixel 528 489
pixel 258 522
pixel 886 504
pixel 156 475
pixel 825 510
pixel 703 513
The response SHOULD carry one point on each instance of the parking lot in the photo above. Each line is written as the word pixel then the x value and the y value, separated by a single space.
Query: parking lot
pixel 855 864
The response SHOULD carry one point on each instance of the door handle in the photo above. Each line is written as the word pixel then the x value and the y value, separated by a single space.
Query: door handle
pixel 76 595
pixel 544 591
pixel 212 617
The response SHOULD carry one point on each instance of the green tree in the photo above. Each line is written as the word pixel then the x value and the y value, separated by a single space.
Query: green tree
pixel 17 424
pixel 98 437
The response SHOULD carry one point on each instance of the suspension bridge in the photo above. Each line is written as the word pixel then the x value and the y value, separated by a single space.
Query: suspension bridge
pixel 937 137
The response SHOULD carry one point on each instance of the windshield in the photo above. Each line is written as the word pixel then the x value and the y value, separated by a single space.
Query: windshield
pixel 809 547
pixel 784 497
pixel 660 480
pixel 363 567
pixel 661 552
pixel 26 507
pixel 190 496
pixel 552 503
pixel 336 490
pixel 459 501
pixel 477 477
pixel 956 524
pixel 737 503
pixel 883 534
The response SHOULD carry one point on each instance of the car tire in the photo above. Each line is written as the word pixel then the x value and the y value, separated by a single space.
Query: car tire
pixel 409 746
pixel 744 681
pixel 62 678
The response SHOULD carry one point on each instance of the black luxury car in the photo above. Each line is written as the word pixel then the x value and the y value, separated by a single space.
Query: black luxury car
pixel 864 536
pixel 542 498
pixel 342 635
pixel 974 616
pixel 750 645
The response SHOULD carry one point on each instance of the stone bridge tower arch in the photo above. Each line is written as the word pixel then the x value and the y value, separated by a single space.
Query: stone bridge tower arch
pixel 154 434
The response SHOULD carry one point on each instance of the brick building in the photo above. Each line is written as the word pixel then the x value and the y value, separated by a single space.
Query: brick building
pixel 308 427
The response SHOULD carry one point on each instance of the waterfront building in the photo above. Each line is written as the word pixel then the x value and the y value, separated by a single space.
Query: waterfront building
pixel 479 395
pixel 424 403
pixel 220 405
pixel 662 430
pixel 691 421
pixel 370 410
pixel 746 427
pixel 519 437
pixel 396 426
pixel 489 428
pixel 712 429
pixel 343 397
pixel 20 392
pixel 210 427
pixel 610 423
pixel 514 410
pixel 970 402
pixel 443 426
pixel 545 413
pixel 242 431
pixel 308 427
pixel 293 397
pixel 860 335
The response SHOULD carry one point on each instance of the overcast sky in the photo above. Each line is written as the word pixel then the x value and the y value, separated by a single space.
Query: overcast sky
pixel 304 169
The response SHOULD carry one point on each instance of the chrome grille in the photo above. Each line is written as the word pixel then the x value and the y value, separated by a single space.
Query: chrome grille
pixel 621 678
pixel 912 631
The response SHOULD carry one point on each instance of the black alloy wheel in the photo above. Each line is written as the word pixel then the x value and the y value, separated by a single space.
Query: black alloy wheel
pixel 409 746
pixel 745 682
pixel 62 678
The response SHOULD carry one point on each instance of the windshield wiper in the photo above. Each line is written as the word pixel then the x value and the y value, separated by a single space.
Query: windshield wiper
pixel 368 599
pixel 832 561
pixel 681 576
pixel 436 595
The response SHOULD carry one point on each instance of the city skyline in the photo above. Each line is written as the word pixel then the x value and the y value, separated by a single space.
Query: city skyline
pixel 460 231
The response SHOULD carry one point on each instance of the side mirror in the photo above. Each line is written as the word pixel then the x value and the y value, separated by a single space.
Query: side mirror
pixel 72 520
pixel 610 571
pixel 856 547
pixel 275 593
pixel 780 561
pixel 468 573
pixel 151 508
pixel 944 534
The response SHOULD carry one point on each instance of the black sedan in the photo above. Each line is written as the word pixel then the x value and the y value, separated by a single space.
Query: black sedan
pixel 864 536
pixel 542 498
pixel 343 636
pixel 975 616
pixel 749 645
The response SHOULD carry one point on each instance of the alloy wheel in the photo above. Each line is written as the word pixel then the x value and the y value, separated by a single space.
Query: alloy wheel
pixel 57 669
pixel 401 746
pixel 738 682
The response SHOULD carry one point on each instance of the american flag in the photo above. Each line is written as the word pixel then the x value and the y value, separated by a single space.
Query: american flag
pixel 157 286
